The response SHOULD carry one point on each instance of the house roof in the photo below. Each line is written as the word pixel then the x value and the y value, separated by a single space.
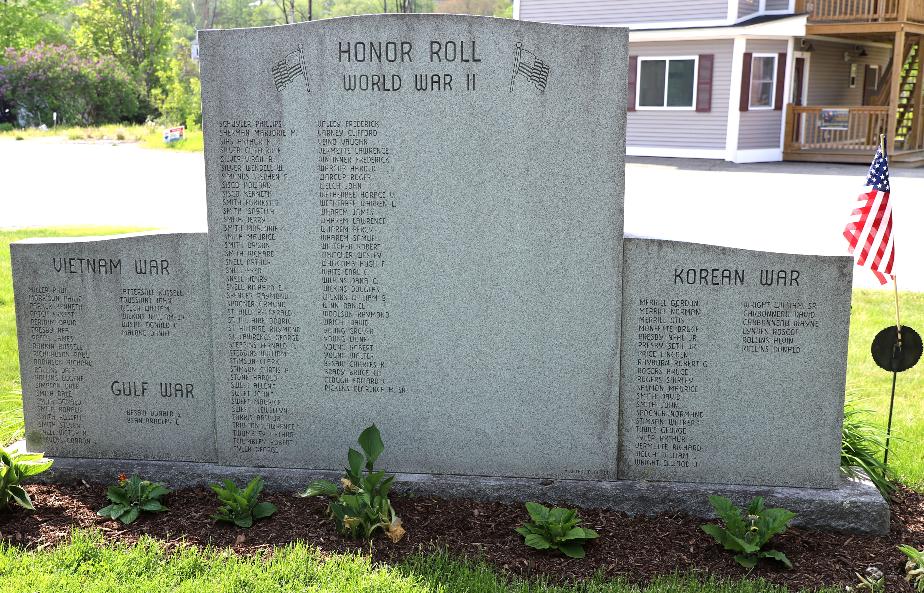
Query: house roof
pixel 782 26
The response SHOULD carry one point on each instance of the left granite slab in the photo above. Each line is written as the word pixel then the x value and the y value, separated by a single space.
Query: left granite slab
pixel 115 346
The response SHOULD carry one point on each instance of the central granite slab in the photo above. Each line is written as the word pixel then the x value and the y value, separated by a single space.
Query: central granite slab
pixel 417 221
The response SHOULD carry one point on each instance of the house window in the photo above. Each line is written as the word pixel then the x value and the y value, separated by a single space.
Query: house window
pixel 666 83
pixel 763 79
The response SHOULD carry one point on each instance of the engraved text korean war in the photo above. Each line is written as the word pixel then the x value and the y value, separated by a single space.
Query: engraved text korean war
pixel 736 365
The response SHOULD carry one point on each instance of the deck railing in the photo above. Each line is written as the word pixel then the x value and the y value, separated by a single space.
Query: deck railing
pixel 830 129
pixel 861 11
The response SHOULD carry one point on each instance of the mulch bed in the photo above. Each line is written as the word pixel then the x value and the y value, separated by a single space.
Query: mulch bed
pixel 635 548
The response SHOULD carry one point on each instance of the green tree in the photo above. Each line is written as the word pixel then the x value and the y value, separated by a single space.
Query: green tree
pixel 137 33
pixel 178 98
pixel 25 23
pixel 233 14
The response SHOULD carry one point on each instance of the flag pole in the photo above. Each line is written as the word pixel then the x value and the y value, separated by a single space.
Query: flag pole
pixel 898 344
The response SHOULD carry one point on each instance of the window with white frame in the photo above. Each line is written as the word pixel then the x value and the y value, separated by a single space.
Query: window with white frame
pixel 763 81
pixel 667 83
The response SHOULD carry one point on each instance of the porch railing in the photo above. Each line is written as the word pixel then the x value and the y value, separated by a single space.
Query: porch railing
pixel 861 11
pixel 834 129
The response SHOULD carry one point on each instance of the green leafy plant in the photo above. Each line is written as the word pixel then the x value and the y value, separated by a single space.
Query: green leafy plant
pixel 914 568
pixel 17 465
pixel 132 496
pixel 360 505
pixel 863 449
pixel 747 532
pixel 240 506
pixel 555 529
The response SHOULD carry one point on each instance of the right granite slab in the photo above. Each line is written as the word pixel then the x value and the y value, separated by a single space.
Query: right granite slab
pixel 733 365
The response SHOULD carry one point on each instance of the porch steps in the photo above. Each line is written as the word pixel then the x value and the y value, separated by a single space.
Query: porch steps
pixel 909 85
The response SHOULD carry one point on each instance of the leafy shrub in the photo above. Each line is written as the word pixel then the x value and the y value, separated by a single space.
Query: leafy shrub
pixel 240 506
pixel 53 78
pixel 179 97
pixel 914 568
pixel 6 127
pixel 362 506
pixel 130 497
pixel 746 532
pixel 556 529
pixel 14 466
pixel 863 448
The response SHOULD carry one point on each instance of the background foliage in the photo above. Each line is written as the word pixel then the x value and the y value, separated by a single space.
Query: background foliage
pixel 36 83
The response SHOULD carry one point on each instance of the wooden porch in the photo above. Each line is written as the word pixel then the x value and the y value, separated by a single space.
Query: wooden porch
pixel 841 133
pixel 840 17
pixel 850 136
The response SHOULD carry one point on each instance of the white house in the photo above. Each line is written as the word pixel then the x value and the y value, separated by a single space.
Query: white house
pixel 764 80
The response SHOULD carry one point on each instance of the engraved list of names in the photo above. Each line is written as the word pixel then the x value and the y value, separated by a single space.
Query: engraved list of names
pixel 385 196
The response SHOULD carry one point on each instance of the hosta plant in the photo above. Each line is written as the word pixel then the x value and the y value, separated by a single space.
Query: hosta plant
pixel 914 568
pixel 747 532
pixel 555 529
pixel 360 505
pixel 15 465
pixel 132 496
pixel 241 507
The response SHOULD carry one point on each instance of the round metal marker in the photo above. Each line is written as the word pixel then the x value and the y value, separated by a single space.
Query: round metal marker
pixel 887 353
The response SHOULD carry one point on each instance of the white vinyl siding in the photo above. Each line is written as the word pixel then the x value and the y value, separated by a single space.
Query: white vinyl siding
pixel 760 128
pixel 684 129
pixel 829 74
pixel 621 12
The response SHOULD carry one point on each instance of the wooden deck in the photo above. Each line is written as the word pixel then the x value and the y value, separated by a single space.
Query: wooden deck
pixel 861 11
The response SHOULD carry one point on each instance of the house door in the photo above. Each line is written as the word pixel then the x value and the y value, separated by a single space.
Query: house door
pixel 870 84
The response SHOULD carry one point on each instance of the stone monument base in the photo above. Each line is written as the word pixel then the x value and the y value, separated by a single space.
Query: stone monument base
pixel 855 506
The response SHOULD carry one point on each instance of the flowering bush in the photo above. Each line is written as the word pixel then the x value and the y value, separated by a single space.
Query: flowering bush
pixel 35 83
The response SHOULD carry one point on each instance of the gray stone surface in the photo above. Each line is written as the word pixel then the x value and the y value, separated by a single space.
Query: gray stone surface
pixel 439 251
pixel 733 365
pixel 114 346
pixel 854 506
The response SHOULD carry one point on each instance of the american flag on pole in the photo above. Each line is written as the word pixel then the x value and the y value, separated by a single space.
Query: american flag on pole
pixel 869 232
pixel 526 64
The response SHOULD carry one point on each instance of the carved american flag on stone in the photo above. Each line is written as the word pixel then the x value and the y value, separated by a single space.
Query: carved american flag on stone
pixel 527 65
pixel 290 68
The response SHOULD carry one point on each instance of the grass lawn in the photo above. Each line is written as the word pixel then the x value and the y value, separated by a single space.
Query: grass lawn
pixel 90 565
pixel 870 386
pixel 148 136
